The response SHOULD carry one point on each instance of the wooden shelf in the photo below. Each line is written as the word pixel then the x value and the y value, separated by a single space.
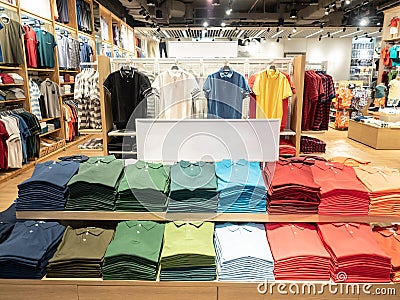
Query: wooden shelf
pixel 11 84
pixel 49 119
pixel 15 100
pixel 65 26
pixel 287 132
pixel 392 40
pixel 68 71
pixel 9 68
pixel 90 131
pixel 66 95
pixel 40 70
pixel 64 83
pixel 29 13
pixel 217 217
pixel 50 132
pixel 313 132
pixel 90 36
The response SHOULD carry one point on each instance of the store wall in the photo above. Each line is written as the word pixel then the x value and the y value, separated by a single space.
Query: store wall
pixel 40 7
pixel 336 51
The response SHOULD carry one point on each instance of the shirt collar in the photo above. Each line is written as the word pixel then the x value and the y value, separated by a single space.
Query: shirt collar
pixel 92 231
pixel 236 227
pixel 148 225
pixel 329 165
pixel 228 163
pixel 356 225
pixel 186 164
pixel 142 164
pixel 101 159
pixel 273 73
pixel 41 224
pixel 197 224
pixel 175 73
pixel 223 73
pixel 123 75
pixel 374 170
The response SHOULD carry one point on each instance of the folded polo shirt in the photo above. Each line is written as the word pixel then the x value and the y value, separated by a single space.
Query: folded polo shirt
pixel 143 187
pixel 6 79
pixel 243 253
pixel 355 252
pixel 80 253
pixel 193 187
pixel 134 252
pixel 25 253
pixel 309 260
pixel 7 222
pixel 19 93
pixel 188 252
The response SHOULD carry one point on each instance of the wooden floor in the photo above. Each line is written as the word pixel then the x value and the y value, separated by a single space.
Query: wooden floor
pixel 337 145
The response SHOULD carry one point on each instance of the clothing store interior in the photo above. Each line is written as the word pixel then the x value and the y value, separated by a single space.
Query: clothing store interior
pixel 112 113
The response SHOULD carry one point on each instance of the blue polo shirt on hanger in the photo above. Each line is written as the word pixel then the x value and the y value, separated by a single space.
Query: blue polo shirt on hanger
pixel 225 91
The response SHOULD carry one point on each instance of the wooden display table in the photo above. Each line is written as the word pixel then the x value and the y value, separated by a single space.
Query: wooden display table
pixel 375 137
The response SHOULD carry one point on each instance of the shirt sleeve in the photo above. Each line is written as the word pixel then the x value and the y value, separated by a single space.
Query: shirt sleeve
pixel 256 85
pixel 145 86
pixel 108 83
pixel 244 87
pixel 195 89
pixel 287 90
pixel 207 87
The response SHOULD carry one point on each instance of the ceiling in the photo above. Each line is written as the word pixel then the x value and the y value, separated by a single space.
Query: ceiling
pixel 256 13
pixel 244 33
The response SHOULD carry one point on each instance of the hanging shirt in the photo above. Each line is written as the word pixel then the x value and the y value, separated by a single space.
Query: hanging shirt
pixel 62 8
pixel 225 91
pixel 127 94
pixel 3 146
pixel 35 95
pixel 46 48
pixel 14 142
pixel 31 43
pixel 86 52
pixel 63 51
pixel 271 87
pixel 51 93
pixel 177 90
pixel 11 42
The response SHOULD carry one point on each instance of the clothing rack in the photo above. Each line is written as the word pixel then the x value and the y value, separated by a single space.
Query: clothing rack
pixel 322 66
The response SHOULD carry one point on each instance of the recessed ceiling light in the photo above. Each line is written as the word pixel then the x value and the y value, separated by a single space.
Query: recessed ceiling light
pixel 228 11
pixel 364 22
pixel 348 2
pixel 205 24
pixel 294 30
pixel 223 24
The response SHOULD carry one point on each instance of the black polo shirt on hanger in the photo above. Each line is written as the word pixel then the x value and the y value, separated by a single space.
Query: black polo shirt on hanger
pixel 128 96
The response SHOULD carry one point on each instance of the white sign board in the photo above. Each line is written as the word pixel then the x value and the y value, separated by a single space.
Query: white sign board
pixel 201 49
pixel 207 140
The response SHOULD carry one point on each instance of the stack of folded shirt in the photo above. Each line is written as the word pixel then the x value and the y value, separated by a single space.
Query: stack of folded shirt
pixel 307 260
pixel 388 238
pixel 383 185
pixel 341 191
pixel 241 187
pixel 286 148
pixel 80 253
pixel 26 252
pixel 134 252
pixel 7 221
pixel 355 254
pixel 188 252
pixel 243 252
pixel 47 188
pixel 95 185
pixel 193 188
pixel 143 187
pixel 293 189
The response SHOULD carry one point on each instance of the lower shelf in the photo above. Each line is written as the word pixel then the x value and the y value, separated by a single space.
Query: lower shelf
pixel 217 217
pixel 87 289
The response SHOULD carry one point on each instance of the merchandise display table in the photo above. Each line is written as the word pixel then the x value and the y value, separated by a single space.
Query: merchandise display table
pixel 375 137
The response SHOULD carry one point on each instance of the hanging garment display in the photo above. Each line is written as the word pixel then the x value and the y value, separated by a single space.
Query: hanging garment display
pixel 225 91
pixel 11 34
pixel 50 91
pixel 45 48
pixel 31 47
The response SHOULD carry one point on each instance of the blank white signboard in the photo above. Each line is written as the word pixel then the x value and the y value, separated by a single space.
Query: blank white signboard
pixel 207 140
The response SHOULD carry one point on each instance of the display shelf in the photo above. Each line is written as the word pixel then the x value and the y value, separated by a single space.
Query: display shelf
pixel 48 119
pixel 14 100
pixel 67 95
pixel 24 11
pixel 313 132
pixel 40 70
pixel 90 36
pixel 287 132
pixel 90 131
pixel 63 83
pixel 392 40
pixel 65 26
pixel 11 84
pixel 9 68
pixel 121 133
pixel 214 217
pixel 123 152
pixel 68 71
pixel 50 132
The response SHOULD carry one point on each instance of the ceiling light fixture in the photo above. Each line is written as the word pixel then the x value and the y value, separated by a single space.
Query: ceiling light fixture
pixel 277 40
pixel 276 34
pixel 320 38
pixel 364 22
pixel 151 3
pixel 348 2
pixel 371 40
pixel 205 24
pixel 166 34
pixel 289 37
pixel 349 34
pixel 344 29
pixel 147 17
pixel 159 14
pixel 294 30
pixel 215 3
pixel 356 38
pixel 378 24
pixel 327 11
pixel 269 29
pixel 293 13
pixel 185 35
pixel 223 24
pixel 228 11
pixel 315 33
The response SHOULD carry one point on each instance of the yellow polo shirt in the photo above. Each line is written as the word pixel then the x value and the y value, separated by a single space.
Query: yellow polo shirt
pixel 271 87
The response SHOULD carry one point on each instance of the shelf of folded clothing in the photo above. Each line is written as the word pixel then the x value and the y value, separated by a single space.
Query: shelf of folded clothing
pixel 90 131
pixel 63 83
pixel 214 217
pixel 11 84
pixel 287 132
pixel 13 100
pixel 122 133
pixel 67 95
pixel 50 132
pixel 2 67
pixel 40 70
